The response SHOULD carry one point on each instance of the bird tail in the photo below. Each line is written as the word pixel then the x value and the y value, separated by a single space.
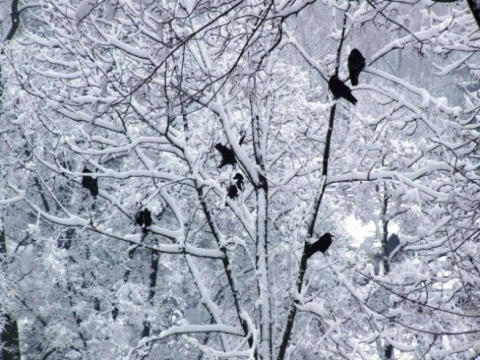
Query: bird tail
pixel 354 79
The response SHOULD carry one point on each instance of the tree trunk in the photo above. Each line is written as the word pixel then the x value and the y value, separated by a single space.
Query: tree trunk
pixel 266 342
pixel 388 352
pixel 388 349
pixel 9 334
pixel 475 9
pixel 9 339
pixel 155 257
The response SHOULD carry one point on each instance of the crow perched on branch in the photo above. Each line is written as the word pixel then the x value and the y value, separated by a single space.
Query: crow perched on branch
pixel 90 183
pixel 232 192
pixel 356 63
pixel 144 219
pixel 239 178
pixel 228 156
pixel 339 89
pixel 321 244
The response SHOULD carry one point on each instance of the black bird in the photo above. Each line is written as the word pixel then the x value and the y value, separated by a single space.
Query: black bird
pixel 232 192
pixel 144 219
pixel 90 183
pixel 321 244
pixel 228 156
pixel 239 178
pixel 356 63
pixel 339 89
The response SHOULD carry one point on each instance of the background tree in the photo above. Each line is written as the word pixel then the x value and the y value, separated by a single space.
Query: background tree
pixel 9 338
pixel 140 93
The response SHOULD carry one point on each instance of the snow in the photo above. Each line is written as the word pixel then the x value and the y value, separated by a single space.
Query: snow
pixel 93 84
pixel 83 10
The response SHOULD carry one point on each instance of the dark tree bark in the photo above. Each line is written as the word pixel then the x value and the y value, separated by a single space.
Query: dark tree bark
pixel 475 9
pixel 388 352
pixel 155 257
pixel 126 276
pixel 3 240
pixel 15 16
pixel 311 229
pixel 9 339
pixel 388 349
pixel 9 334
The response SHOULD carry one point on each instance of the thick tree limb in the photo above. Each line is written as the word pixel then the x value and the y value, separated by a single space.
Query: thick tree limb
pixel 474 8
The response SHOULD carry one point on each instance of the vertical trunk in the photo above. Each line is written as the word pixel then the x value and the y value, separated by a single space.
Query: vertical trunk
pixel 388 352
pixel 384 240
pixel 232 282
pixel 9 334
pixel 154 259
pixel 126 276
pixel 388 349
pixel 259 129
pixel 293 308
pixel 3 239
pixel 292 312
pixel 262 270
pixel 9 339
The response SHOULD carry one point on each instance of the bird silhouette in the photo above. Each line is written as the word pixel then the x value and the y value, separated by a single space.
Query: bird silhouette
pixel 322 244
pixel 239 178
pixel 144 219
pixel 90 183
pixel 339 89
pixel 232 192
pixel 356 63
pixel 228 156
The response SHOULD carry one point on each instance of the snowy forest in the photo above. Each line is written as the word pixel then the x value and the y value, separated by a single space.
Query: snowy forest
pixel 239 179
